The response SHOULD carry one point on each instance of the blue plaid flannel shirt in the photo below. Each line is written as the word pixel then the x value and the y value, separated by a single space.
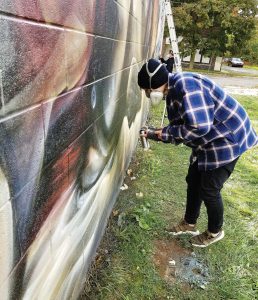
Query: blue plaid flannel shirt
pixel 205 118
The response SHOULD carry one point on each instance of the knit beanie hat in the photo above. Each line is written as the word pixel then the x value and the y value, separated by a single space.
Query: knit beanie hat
pixel 157 80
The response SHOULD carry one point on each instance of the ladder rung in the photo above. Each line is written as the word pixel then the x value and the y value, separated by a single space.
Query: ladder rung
pixel 172 33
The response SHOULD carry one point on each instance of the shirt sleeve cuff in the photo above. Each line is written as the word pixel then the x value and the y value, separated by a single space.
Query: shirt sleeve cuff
pixel 166 136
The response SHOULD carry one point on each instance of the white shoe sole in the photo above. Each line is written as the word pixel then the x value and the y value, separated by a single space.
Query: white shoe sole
pixel 214 241
pixel 193 233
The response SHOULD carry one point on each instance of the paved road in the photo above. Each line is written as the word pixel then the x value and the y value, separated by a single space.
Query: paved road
pixel 243 70
pixel 245 82
pixel 250 81
pixel 237 85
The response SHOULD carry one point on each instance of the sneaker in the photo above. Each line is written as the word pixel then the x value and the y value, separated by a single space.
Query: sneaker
pixel 183 228
pixel 206 238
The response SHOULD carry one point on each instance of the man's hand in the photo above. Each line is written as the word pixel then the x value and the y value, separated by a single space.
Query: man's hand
pixel 159 133
pixel 151 133
pixel 143 132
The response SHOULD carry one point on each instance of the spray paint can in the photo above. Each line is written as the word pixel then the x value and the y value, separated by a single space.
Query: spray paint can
pixel 144 140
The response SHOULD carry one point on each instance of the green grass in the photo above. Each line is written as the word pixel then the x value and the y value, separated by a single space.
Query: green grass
pixel 128 271
pixel 251 67
pixel 202 71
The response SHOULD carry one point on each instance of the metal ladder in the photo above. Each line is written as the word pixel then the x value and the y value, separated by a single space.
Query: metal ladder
pixel 172 34
pixel 174 45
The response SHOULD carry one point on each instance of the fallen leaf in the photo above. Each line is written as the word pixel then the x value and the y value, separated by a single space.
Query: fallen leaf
pixel 124 187
pixel 139 195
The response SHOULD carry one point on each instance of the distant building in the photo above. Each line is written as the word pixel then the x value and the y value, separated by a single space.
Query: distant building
pixel 200 61
pixel 203 62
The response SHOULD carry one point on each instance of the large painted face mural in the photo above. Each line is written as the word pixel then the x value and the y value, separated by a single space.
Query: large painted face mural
pixel 70 112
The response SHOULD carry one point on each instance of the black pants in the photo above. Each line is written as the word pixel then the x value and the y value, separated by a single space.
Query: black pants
pixel 206 186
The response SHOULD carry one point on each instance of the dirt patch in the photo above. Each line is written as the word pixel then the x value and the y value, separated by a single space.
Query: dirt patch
pixel 167 251
pixel 177 264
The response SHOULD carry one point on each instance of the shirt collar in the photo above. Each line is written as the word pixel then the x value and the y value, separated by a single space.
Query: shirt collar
pixel 171 80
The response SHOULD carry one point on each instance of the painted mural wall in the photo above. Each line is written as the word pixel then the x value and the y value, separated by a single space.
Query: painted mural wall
pixel 70 112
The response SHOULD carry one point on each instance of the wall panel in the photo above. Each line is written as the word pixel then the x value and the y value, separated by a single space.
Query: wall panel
pixel 32 63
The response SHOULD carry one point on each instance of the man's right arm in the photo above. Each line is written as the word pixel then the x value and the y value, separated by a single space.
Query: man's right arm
pixel 197 114
pixel 163 60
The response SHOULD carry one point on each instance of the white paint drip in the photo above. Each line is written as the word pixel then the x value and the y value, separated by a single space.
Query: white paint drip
pixel 2 91
pixel 6 238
